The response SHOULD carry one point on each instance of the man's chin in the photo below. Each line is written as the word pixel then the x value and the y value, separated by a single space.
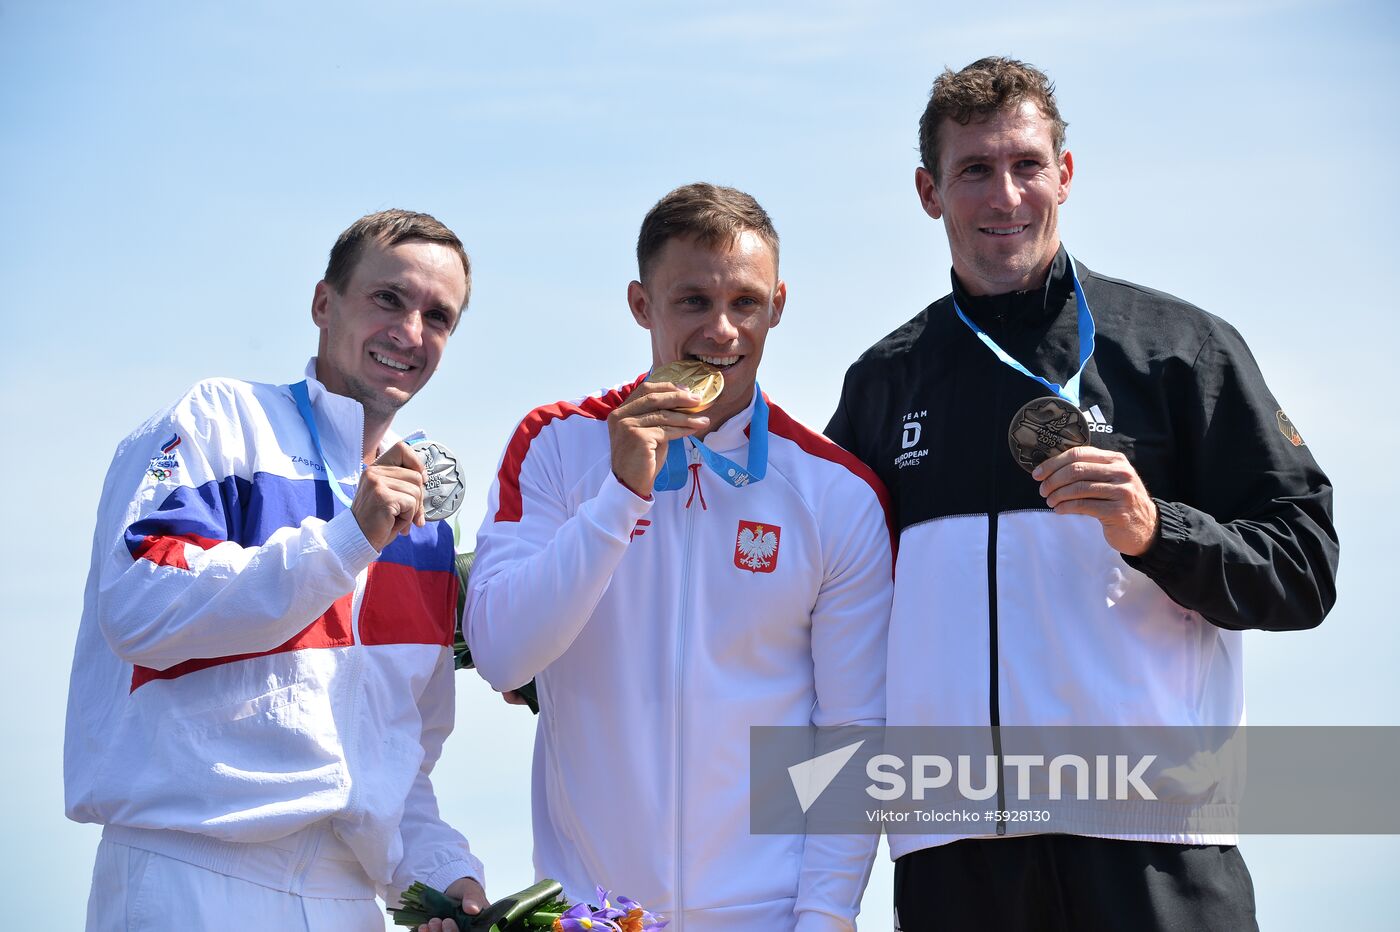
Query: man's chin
pixel 1013 273
pixel 382 402
pixel 732 400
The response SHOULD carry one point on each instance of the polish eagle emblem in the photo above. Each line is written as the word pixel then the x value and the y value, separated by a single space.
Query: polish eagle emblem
pixel 756 548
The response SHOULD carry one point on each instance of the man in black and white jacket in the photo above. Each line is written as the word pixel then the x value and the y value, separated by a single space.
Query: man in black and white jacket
pixel 1110 587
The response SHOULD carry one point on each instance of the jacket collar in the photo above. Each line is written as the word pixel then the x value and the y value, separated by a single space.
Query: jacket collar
pixel 733 433
pixel 1020 307
pixel 342 415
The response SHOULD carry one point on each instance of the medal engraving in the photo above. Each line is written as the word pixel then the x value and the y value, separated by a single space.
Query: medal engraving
pixel 1043 428
pixel 443 490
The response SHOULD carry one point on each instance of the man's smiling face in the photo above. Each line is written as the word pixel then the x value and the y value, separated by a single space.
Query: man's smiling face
pixel 998 193
pixel 382 338
pixel 712 303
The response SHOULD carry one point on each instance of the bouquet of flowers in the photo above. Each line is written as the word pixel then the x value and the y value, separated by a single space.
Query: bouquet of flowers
pixel 540 907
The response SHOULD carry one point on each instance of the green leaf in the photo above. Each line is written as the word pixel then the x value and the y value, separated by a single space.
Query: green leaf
pixel 421 902
pixel 510 914
pixel 534 908
pixel 461 651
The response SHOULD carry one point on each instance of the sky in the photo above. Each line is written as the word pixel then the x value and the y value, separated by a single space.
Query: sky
pixel 175 173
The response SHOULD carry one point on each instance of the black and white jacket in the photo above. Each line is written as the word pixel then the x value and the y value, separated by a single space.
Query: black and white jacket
pixel 1008 614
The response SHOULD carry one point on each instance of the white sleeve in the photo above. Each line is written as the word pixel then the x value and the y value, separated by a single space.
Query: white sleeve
pixel 174 584
pixel 433 852
pixel 539 574
pixel 850 624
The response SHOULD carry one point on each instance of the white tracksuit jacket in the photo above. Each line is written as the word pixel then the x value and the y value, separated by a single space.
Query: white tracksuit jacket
pixel 655 650
pixel 248 669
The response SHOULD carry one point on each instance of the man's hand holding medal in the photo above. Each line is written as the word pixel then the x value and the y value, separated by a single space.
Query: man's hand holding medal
pixel 411 483
pixel 1049 438
pixel 663 408
pixel 1102 484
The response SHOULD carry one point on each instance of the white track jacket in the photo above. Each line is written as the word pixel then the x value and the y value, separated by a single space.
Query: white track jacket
pixel 657 642
pixel 248 669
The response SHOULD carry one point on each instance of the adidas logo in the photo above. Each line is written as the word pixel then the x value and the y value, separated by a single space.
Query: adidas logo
pixel 1098 424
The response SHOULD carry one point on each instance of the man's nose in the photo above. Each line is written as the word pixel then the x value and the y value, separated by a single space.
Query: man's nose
pixel 1005 192
pixel 408 330
pixel 721 330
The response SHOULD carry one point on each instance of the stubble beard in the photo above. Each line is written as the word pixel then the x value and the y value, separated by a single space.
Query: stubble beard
pixel 1019 271
pixel 377 402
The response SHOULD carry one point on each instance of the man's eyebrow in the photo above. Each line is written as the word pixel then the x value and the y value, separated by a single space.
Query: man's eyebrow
pixel 403 290
pixel 689 289
pixel 969 159
pixel 391 284
pixel 1015 155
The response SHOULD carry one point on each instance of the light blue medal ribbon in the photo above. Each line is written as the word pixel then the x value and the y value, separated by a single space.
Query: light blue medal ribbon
pixel 303 400
pixel 1070 390
pixel 673 473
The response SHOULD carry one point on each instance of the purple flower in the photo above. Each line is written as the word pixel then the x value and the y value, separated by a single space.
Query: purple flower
pixel 622 914
pixel 580 918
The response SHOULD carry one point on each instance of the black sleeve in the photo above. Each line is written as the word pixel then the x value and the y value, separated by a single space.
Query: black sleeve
pixel 1255 547
pixel 840 429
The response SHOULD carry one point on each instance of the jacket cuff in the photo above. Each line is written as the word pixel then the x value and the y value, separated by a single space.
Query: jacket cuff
pixel 813 920
pixel 454 870
pixel 616 508
pixel 441 878
pixel 345 539
pixel 1165 551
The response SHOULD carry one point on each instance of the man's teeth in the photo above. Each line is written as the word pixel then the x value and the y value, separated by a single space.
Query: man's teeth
pixel 719 362
pixel 402 367
pixel 1003 231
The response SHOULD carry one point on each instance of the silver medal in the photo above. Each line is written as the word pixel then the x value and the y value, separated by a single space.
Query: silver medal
pixel 443 491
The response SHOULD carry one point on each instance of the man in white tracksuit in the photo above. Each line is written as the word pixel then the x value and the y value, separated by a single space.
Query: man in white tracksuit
pixel 263 674
pixel 670 580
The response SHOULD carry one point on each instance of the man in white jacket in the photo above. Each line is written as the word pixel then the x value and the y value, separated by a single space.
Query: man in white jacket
pixel 671 579
pixel 263 674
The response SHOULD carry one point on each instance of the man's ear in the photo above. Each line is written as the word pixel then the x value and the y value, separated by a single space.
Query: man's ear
pixel 320 305
pixel 637 301
pixel 928 193
pixel 1066 175
pixel 779 301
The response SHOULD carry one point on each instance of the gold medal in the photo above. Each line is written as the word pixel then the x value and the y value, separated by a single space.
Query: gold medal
pixel 701 378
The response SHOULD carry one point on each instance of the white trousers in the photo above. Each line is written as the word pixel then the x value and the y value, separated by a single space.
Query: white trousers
pixel 140 891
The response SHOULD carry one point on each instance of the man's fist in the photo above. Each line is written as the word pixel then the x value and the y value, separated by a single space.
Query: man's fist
pixel 473 902
pixel 1103 485
pixel 640 428
pixel 389 499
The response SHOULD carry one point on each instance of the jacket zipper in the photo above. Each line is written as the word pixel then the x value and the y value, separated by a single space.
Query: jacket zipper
pixel 693 460
pixel 350 746
pixel 993 653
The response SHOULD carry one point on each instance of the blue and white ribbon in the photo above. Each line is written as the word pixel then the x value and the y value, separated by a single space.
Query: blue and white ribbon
pixel 1070 390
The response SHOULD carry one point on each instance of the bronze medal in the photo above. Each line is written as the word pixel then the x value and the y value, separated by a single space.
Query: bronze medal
pixel 1043 428
pixel 693 375
pixel 443 490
